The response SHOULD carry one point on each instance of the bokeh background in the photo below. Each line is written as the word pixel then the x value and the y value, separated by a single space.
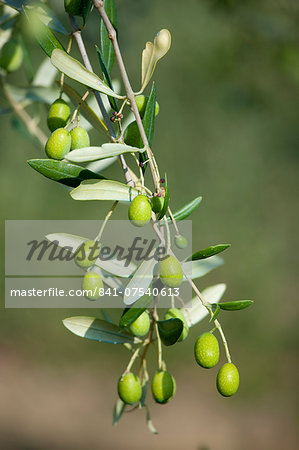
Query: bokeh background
pixel 227 130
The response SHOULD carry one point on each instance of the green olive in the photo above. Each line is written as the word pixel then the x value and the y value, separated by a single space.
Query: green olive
pixel 11 56
pixel 91 284
pixel 87 254
pixel 132 135
pixel 141 325
pixel 58 144
pixel 140 211
pixel 157 204
pixel 175 313
pixel 129 388
pixel 170 271
pixel 80 138
pixel 180 241
pixel 228 380
pixel 163 387
pixel 58 115
pixel 141 102
pixel 206 350
pixel 74 7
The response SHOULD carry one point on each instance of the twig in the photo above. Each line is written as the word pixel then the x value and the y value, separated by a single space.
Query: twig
pixel 31 125
pixel 99 5
pixel 77 35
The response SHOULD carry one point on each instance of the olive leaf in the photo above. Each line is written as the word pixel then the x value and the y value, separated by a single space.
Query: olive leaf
pixel 88 154
pixel 75 70
pixel 85 109
pixel 98 330
pixel 148 122
pixel 118 410
pixel 209 251
pixel 199 268
pixel 104 190
pixel 151 55
pixel 170 330
pixel 149 422
pixel 42 33
pixel 116 267
pixel 101 164
pixel 65 173
pixel 67 240
pixel 131 314
pixel 46 16
pixel 186 210
pixel 235 305
pixel 194 311
pixel 107 78
pixel 106 44
pixel 216 309
pixel 140 281
pixel 45 75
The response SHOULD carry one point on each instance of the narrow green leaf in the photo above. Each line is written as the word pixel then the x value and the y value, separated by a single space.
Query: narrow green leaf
pixel 75 70
pixel 216 309
pixel 87 6
pixel 186 210
pixel 131 314
pixel 85 109
pixel 16 4
pixel 98 330
pixel 149 422
pixel 201 267
pixel 235 305
pixel 67 240
pixel 65 173
pixel 106 44
pixel 88 154
pixel 116 267
pixel 107 78
pixel 148 122
pixel 118 410
pixel 166 200
pixel 209 251
pixel 140 282
pixel 104 190
pixel 43 34
pixel 170 330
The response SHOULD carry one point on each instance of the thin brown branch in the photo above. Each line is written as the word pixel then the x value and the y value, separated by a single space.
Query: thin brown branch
pixel 99 5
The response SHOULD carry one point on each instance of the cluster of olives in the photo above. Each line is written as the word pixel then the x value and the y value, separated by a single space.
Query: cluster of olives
pixel 11 56
pixel 86 256
pixel 206 352
pixel 61 140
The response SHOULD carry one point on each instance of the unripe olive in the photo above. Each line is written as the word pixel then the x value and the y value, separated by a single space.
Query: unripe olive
pixel 11 56
pixel 180 241
pixel 58 144
pixel 141 325
pixel 175 313
pixel 74 7
pixel 141 102
pixel 58 115
pixel 157 204
pixel 129 388
pixel 140 211
pixel 80 138
pixel 132 135
pixel 228 380
pixel 170 271
pixel 163 387
pixel 206 350
pixel 87 254
pixel 92 283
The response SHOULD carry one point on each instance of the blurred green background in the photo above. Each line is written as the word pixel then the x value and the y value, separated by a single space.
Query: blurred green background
pixel 227 130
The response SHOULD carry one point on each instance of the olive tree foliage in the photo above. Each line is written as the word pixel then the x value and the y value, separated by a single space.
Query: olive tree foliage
pixel 126 120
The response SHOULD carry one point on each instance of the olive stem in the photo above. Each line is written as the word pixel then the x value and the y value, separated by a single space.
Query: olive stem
pixel 99 5
pixel 109 214
pixel 219 328
pixel 30 123
pixel 168 240
pixel 77 35
pixel 173 221
pixel 158 340
pixel 132 360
